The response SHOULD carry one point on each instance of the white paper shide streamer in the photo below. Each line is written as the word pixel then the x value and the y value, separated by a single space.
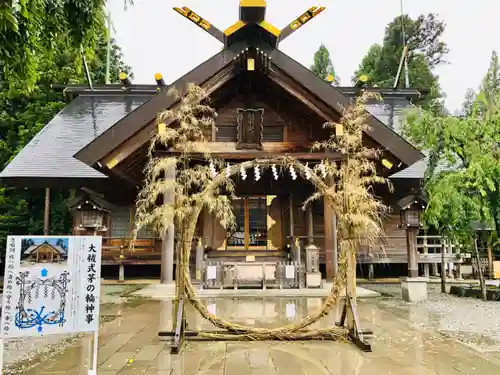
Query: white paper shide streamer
pixel 293 173
pixel 256 173
pixel 243 173
pixel 275 171
pixel 213 171
pixel 307 172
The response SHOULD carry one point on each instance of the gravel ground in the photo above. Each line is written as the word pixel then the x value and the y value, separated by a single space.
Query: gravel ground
pixel 473 322
pixel 20 354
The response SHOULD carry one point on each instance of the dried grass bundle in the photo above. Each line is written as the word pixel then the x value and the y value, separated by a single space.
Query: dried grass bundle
pixel 349 192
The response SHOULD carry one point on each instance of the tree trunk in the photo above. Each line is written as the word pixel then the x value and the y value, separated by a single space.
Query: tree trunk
pixel 46 213
pixel 443 268
pixel 480 271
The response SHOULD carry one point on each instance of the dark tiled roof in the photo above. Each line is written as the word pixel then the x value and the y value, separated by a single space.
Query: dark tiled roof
pixel 50 152
pixel 391 112
pixel 416 170
pixel 91 199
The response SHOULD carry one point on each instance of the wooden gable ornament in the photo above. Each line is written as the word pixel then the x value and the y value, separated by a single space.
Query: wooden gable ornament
pixel 250 128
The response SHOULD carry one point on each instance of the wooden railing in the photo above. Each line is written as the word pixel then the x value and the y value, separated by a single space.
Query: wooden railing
pixel 117 250
pixel 393 250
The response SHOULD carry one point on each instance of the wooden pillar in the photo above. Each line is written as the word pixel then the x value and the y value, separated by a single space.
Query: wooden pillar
pixel 459 271
pixel 449 266
pixel 330 237
pixel 310 225
pixel 426 251
pixel 208 229
pixel 351 287
pixel 199 259
pixel 335 253
pixel 292 223
pixel 121 273
pixel 46 214
pixel 167 252
pixel 435 269
pixel 411 247
pixel 490 260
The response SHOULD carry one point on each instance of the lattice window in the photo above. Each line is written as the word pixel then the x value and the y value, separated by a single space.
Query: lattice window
pixel 120 222
pixel 273 134
pixel 226 134
pixel 91 218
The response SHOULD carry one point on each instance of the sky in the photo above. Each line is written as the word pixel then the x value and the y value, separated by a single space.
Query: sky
pixel 154 38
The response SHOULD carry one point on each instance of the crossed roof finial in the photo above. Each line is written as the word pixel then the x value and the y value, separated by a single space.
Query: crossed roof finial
pixel 252 19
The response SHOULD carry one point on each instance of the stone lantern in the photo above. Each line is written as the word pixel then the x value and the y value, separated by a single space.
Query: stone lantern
pixel 312 258
pixel 313 276
pixel 414 288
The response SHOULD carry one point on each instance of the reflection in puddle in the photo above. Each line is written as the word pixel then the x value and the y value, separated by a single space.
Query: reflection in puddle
pixel 130 345
pixel 266 312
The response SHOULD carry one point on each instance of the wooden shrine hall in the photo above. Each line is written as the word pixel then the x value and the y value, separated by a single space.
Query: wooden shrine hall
pixel 267 104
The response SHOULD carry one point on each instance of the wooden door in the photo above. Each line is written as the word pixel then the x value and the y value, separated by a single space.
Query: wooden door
pixel 251 224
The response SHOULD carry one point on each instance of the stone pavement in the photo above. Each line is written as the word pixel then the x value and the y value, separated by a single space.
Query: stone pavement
pixel 129 345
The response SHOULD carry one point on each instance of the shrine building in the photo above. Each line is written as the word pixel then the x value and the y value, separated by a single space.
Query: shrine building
pixel 268 104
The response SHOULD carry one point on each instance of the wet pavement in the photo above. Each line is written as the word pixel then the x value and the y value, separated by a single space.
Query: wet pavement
pixel 401 345
pixel 471 321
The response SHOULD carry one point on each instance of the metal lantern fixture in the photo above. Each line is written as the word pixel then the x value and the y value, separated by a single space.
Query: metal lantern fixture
pixel 92 216
pixel 411 208
pixel 411 216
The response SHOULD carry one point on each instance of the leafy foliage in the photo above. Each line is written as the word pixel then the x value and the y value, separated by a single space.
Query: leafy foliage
pixel 463 175
pixel 426 50
pixel 24 113
pixel 29 28
pixel 323 66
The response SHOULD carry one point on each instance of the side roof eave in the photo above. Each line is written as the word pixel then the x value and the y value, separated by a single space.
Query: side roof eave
pixel 141 116
pixel 333 97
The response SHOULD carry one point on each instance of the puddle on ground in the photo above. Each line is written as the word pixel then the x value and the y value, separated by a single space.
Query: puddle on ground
pixel 407 339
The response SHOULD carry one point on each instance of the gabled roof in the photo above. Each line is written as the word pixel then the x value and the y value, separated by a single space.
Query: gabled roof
pixel 132 122
pixel 33 248
pixel 97 122
pixel 328 94
pixel 410 200
pixel 50 153
pixel 380 132
pixel 90 199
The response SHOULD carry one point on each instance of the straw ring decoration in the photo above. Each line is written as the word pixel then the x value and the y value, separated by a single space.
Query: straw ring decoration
pixel 197 186
pixel 258 333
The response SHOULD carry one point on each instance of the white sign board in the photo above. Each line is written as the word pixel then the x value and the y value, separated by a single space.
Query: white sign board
pixel 211 272
pixel 290 272
pixel 290 310
pixel 212 308
pixel 51 285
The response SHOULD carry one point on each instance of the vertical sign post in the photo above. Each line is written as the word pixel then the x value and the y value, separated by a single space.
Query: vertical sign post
pixel 52 286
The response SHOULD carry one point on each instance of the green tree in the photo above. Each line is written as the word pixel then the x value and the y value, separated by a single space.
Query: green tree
pixel 23 114
pixel 30 28
pixel 323 66
pixel 425 51
pixel 463 175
